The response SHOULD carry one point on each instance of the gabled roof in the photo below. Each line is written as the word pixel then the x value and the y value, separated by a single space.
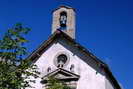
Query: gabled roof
pixel 58 34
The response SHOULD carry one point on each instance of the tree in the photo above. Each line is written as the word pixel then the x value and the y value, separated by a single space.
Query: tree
pixel 14 68
pixel 56 84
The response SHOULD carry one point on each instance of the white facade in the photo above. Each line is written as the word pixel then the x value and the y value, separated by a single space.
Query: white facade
pixel 91 74
pixel 91 77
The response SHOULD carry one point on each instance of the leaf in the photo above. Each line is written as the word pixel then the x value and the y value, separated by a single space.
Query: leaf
pixel 12 65
pixel 23 40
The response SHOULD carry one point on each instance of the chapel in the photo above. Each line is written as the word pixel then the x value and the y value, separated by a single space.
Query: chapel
pixel 61 57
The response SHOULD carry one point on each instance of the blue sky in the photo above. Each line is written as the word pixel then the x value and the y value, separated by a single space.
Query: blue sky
pixel 105 27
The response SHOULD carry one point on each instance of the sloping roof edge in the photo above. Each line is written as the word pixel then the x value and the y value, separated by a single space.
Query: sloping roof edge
pixel 58 33
pixel 67 7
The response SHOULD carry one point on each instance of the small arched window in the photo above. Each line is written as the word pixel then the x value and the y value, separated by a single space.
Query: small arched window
pixel 63 19
pixel 72 68
pixel 48 69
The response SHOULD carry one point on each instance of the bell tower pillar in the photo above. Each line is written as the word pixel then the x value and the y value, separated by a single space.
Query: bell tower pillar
pixel 64 19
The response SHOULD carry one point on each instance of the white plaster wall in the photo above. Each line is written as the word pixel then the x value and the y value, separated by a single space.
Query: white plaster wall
pixel 108 84
pixel 89 79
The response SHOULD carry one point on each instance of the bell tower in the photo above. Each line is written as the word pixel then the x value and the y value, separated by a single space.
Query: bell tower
pixel 64 19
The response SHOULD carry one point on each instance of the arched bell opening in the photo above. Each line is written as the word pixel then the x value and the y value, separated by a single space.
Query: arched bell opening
pixel 63 20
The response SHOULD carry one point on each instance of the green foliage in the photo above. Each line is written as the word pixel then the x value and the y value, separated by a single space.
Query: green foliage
pixel 14 69
pixel 56 84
